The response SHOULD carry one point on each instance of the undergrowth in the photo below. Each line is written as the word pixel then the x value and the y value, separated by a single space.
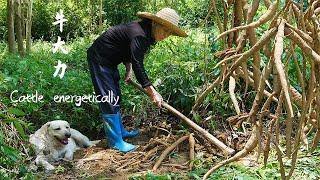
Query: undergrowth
pixel 307 168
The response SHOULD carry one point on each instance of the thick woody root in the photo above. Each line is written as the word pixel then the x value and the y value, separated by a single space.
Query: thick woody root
pixel 250 145
pixel 191 151
pixel 242 57
pixel 279 66
pixel 305 34
pixel 263 19
pixel 316 140
pixel 302 44
pixel 283 80
pixel 262 41
pixel 232 86
pixel 98 159
pixel 251 82
pixel 167 151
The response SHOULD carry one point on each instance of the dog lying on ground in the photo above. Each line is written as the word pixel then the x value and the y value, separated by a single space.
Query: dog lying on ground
pixel 55 140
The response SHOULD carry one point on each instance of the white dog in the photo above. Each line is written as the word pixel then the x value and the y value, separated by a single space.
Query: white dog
pixel 55 140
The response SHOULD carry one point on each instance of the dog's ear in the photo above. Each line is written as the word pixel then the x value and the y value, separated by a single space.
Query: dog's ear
pixel 46 126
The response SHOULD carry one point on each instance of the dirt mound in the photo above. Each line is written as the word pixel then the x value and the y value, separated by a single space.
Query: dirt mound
pixel 103 162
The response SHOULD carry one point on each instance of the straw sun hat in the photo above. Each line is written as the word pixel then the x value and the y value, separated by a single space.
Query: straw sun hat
pixel 166 17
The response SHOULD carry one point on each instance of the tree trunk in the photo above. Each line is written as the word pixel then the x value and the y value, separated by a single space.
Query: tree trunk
pixel 10 24
pixel 28 26
pixel 23 17
pixel 18 27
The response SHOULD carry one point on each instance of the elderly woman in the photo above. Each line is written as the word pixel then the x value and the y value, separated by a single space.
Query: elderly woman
pixel 127 44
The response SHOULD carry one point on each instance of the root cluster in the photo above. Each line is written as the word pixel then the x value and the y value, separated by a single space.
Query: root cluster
pixel 290 39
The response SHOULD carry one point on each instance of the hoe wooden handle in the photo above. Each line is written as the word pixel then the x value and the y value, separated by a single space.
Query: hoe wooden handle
pixel 226 150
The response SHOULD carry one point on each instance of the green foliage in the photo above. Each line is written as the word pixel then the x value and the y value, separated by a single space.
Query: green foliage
pixel 12 160
pixel 34 73
pixel 152 176
pixel 307 168
pixel 3 20
pixel 12 163
pixel 172 64
pixel 77 14
pixel 122 11
pixel 192 13
pixel 83 16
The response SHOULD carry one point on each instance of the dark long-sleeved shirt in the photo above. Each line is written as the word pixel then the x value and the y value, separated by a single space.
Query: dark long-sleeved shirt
pixel 124 43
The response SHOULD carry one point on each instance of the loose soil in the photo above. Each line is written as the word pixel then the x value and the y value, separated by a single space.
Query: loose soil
pixel 106 163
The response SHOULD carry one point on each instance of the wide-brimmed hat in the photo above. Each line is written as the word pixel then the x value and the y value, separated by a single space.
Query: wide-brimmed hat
pixel 166 17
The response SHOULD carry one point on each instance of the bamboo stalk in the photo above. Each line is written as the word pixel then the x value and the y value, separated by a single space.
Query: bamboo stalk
pixel 10 25
pixel 28 26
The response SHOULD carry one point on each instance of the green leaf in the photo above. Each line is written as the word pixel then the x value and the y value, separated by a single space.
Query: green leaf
pixel 16 111
pixel 2 116
pixel 19 128
pixel 10 152
pixel 9 120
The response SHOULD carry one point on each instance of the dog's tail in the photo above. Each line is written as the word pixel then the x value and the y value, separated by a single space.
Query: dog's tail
pixel 82 140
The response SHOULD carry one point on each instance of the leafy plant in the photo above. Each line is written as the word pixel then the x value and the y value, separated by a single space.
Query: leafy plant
pixel 12 147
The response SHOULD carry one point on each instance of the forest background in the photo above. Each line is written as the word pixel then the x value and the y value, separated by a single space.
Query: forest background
pixel 192 74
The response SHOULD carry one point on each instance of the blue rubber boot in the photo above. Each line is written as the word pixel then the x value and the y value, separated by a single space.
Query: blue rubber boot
pixel 113 133
pixel 124 132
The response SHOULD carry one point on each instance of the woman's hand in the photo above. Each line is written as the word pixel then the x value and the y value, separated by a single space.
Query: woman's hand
pixel 128 74
pixel 154 95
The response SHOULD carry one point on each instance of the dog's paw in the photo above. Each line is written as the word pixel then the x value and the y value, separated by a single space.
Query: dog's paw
pixel 49 168
pixel 33 167
pixel 94 143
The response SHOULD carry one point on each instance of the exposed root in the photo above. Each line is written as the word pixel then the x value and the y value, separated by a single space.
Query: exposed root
pixel 250 145
pixel 191 151
pixel 167 151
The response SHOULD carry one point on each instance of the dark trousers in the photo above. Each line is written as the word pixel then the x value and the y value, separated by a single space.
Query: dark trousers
pixel 106 84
